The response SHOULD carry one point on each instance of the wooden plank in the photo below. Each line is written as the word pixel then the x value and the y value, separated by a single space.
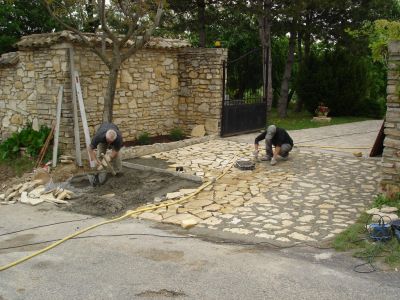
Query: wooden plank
pixel 45 147
pixel 57 128
pixel 75 109
pixel 83 117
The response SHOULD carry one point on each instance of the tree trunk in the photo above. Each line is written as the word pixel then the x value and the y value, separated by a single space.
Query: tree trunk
pixel 282 106
pixel 299 101
pixel 307 39
pixel 265 38
pixel 110 94
pixel 201 6
pixel 269 88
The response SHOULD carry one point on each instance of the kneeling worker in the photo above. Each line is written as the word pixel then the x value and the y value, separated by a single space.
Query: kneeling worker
pixel 280 139
pixel 107 136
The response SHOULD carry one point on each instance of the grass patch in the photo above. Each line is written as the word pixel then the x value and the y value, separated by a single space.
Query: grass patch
pixel 355 238
pixel 303 120
pixel 384 201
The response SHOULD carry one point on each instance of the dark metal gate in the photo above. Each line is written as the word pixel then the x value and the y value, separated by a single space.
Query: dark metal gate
pixel 244 107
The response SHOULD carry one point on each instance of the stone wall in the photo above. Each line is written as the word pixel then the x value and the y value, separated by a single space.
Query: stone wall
pixel 157 90
pixel 147 91
pixel 200 75
pixel 390 182
pixel 28 90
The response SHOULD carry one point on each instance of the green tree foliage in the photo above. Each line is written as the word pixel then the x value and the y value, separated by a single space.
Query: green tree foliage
pixel 348 84
pixel 22 17
pixel 380 34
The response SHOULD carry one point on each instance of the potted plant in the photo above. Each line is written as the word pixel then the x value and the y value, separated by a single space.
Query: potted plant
pixel 322 110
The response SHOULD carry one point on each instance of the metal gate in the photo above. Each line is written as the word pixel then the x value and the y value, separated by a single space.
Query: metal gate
pixel 244 107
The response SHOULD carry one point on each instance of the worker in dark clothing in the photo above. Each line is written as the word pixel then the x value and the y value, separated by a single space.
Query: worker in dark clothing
pixel 107 136
pixel 278 137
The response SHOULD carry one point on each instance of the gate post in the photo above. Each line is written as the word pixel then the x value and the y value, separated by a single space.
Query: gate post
pixel 223 96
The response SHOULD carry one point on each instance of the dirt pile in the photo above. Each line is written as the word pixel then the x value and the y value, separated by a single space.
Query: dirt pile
pixel 128 190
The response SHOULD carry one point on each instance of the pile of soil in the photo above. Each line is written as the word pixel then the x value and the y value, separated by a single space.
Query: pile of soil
pixel 125 191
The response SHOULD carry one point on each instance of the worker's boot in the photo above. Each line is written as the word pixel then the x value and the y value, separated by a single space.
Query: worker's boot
pixel 266 158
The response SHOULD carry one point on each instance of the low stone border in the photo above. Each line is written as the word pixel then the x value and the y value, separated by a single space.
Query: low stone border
pixel 137 151
pixel 174 173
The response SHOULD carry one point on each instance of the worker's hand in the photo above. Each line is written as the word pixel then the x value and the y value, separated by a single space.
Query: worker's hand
pixel 107 157
pixel 97 162
pixel 255 153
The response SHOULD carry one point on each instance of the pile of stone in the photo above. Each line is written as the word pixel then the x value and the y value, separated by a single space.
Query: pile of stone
pixel 13 194
pixel 66 159
pixel 34 191
pixel 387 213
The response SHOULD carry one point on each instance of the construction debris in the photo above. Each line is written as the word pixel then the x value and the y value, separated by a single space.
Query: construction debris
pixel 14 194
pixel 67 159
pixel 28 200
pixel 34 191
pixel 50 198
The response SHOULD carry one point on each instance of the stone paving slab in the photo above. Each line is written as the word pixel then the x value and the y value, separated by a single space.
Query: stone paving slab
pixel 311 197
pixel 358 135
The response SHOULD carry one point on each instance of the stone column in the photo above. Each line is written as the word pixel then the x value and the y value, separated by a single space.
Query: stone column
pixel 390 182
pixel 200 88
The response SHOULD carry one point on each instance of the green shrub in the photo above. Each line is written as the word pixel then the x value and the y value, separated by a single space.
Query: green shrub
pixel 176 134
pixel 143 138
pixel 27 138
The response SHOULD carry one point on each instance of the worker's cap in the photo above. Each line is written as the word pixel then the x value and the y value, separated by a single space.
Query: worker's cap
pixel 270 132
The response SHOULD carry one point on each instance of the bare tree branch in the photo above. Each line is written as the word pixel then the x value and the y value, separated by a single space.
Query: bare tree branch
pixel 81 36
pixel 139 43
pixel 104 27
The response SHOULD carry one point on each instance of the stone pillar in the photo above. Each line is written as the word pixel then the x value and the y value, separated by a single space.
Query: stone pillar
pixel 390 182
pixel 200 88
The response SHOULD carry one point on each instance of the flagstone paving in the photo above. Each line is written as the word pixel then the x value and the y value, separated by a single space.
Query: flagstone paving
pixel 311 197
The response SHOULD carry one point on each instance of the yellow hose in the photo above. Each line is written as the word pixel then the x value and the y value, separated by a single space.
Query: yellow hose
pixel 127 214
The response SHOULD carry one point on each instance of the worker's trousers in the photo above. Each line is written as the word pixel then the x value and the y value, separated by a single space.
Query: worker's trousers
pixel 285 149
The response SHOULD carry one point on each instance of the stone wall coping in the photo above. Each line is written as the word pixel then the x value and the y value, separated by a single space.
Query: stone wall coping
pixel 9 59
pixel 48 39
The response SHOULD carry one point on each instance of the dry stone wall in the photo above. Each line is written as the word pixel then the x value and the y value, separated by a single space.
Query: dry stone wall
pixel 28 90
pixel 157 90
pixel 391 154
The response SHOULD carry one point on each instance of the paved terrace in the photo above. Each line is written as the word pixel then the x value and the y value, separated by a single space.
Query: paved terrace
pixel 311 197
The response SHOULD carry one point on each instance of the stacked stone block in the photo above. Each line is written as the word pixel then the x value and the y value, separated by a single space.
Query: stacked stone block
pixel 390 182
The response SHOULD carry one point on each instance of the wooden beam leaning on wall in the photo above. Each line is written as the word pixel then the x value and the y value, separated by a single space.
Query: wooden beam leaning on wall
pixel 75 108
pixel 57 127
